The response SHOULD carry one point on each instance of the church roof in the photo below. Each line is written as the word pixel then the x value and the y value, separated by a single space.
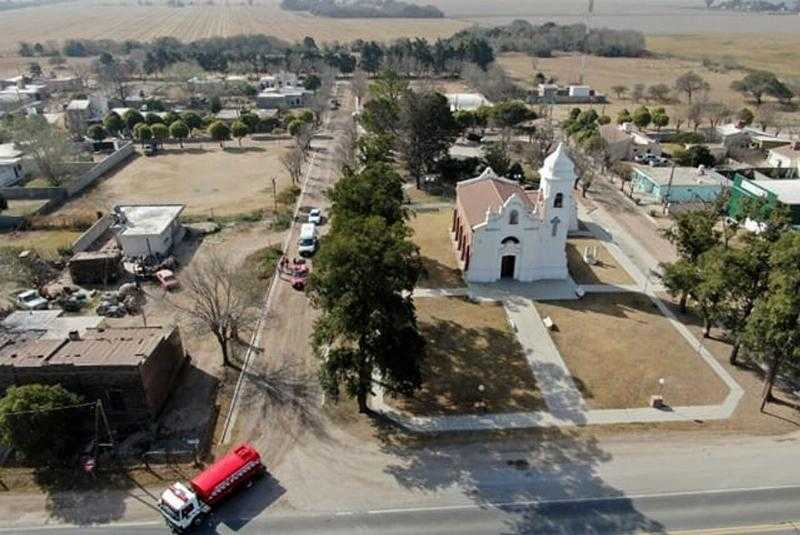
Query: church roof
pixel 559 164
pixel 487 192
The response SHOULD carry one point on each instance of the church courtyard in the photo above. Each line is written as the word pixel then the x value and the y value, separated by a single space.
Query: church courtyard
pixel 618 345
pixel 432 236
pixel 605 270
pixel 469 345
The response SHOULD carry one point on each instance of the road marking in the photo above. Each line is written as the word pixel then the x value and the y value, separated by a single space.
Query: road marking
pixel 762 528
pixel 230 417
pixel 88 527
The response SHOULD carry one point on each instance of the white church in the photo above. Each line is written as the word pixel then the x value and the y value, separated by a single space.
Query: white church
pixel 502 231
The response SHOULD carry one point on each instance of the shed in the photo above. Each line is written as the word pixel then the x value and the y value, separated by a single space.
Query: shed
pixel 147 230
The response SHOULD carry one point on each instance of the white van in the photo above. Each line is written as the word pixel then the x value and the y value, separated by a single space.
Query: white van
pixel 307 244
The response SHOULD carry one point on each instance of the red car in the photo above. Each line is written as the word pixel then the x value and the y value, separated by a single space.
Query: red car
pixel 166 278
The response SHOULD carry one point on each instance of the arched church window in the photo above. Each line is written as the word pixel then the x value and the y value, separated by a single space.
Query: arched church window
pixel 513 218
pixel 558 202
pixel 510 239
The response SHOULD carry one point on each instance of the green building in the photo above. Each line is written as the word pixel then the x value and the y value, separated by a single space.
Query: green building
pixel 786 192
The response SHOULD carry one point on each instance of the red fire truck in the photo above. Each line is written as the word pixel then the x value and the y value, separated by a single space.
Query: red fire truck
pixel 186 504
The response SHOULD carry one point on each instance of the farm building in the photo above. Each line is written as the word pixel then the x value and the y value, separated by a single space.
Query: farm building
pixel 502 231
pixel 785 192
pixel 147 230
pixel 283 98
pixel 81 113
pixel 466 101
pixel 10 165
pixel 49 324
pixel 131 369
pixel 626 142
pixel 678 184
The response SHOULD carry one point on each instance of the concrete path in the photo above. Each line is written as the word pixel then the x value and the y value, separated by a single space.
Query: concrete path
pixel 441 292
pixel 555 290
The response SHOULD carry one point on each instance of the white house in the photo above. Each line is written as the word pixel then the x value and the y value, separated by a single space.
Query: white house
pixel 502 231
pixel 785 157
pixel 11 170
pixel 147 230
pixel 626 142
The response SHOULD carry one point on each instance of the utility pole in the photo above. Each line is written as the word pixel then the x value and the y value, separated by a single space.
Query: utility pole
pixel 669 189
pixel 275 194
pixel 100 414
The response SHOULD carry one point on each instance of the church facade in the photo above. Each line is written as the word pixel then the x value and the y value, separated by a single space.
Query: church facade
pixel 501 231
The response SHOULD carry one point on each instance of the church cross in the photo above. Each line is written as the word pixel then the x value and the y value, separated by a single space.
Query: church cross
pixel 555 221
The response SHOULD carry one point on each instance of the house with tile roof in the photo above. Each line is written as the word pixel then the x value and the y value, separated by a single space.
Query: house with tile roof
pixel 501 231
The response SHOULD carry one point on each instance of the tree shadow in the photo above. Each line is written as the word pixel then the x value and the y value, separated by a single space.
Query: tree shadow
pixel 244 150
pixel 436 274
pixel 550 484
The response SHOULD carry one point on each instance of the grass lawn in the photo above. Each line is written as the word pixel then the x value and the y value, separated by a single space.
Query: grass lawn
pixel 432 235
pixel 418 196
pixel 44 242
pixel 617 346
pixel 22 208
pixel 470 345
pixel 606 271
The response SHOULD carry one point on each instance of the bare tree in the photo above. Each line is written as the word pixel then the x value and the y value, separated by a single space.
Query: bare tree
pixel 766 116
pixel 542 140
pixel 45 145
pixel 695 115
pixel 221 299
pixel 292 161
pixel 359 85
pixel 344 153
pixel 717 112
pixel 303 139
pixel 680 115
pixel 691 83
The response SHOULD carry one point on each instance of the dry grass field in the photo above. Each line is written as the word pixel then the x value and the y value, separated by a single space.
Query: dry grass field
pixel 776 52
pixel 208 180
pixel 432 236
pixel 470 345
pixel 617 346
pixel 604 73
pixel 606 271
pixel 45 242
pixel 96 20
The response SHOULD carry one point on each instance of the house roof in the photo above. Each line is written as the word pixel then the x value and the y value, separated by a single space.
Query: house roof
pixel 487 192
pixel 9 152
pixel 79 105
pixel 50 324
pixel 787 191
pixel 683 176
pixel 787 151
pixel 466 101
pixel 122 346
pixel 147 220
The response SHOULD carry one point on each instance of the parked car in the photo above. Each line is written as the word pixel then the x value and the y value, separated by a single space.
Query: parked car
pixel 315 216
pixel 31 300
pixel 307 244
pixel 150 149
pixel 166 278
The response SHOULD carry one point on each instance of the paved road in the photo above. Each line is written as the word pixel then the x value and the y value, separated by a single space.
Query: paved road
pixel 741 511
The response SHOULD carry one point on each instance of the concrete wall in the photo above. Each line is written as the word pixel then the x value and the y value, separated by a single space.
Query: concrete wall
pixel 31 194
pixel 95 231
pixel 123 153
pixel 160 370
pixel 10 221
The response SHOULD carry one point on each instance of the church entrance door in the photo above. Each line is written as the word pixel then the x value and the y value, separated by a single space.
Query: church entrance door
pixel 507 265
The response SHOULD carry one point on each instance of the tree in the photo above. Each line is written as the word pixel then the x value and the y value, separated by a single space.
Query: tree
pixel 359 85
pixel 312 82
pixel 680 279
pixel 160 133
pixel 624 117
pixel 362 281
pixel 96 132
pixel 638 92
pixel 34 69
pixel 35 420
pixel 376 190
pixel 746 116
pixel 619 90
pixel 694 156
pixel 772 333
pixel 542 142
pixel 47 147
pixel 642 117
pixel 112 73
pixel 214 104
pixel 239 130
pixel 496 156
pixel 759 83
pixel 192 120
pixel 113 123
pixel 691 83
pixel 152 118
pixel 179 130
pixel 219 131
pixel 292 161
pixel 428 129
pixel 510 113
pixel 766 116
pixel 219 299
pixel 132 118
pixel 695 114
pixel 693 233
pixel 717 112
pixel 142 133
pixel 659 92
pixel 660 120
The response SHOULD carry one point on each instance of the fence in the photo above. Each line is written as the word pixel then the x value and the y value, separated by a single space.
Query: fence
pixel 115 158
pixel 90 236
pixel 32 194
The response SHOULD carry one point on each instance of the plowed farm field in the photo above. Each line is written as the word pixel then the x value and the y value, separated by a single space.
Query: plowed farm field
pixel 119 21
